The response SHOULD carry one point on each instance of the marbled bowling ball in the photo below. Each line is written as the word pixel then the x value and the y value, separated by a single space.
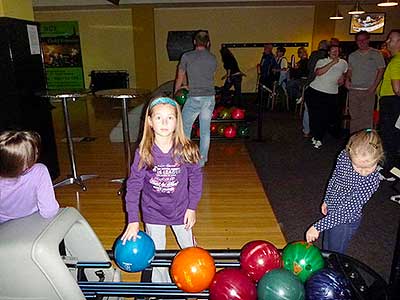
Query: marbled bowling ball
pixel 136 255
pixel 232 284
pixel 328 284
pixel 193 269
pixel 259 257
pixel 280 284
pixel 303 259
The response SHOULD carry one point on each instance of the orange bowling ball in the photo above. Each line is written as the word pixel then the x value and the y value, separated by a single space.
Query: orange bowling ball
pixel 193 269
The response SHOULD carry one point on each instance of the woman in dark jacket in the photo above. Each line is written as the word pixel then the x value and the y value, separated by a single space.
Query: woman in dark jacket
pixel 233 77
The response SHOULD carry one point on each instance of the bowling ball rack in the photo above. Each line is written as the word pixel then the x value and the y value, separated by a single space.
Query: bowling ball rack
pixel 246 121
pixel 365 283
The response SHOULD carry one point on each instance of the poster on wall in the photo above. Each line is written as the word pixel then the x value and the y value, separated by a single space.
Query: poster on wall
pixel 62 55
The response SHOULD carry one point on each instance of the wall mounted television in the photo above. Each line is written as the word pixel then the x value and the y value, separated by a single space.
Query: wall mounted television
pixel 374 23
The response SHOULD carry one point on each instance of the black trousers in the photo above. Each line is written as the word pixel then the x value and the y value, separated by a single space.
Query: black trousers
pixel 236 82
pixel 389 111
pixel 322 108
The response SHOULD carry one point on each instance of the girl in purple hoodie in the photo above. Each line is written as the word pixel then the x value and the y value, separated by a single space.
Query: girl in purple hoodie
pixel 165 180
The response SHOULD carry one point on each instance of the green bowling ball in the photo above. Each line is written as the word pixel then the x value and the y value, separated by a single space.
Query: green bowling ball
pixel 303 259
pixel 243 131
pixel 280 284
pixel 181 96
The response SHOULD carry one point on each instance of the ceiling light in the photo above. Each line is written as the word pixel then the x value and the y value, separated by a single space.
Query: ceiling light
pixel 388 3
pixel 356 10
pixel 337 16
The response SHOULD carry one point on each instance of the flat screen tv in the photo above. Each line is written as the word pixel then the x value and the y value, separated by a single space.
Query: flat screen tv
pixel 374 23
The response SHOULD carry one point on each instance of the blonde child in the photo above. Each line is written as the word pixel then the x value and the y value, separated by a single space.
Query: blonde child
pixel 167 174
pixel 353 182
pixel 25 186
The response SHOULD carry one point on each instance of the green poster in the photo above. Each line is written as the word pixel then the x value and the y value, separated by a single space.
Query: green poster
pixel 62 55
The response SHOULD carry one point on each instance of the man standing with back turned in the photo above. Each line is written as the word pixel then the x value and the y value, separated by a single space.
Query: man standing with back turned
pixel 199 66
pixel 366 67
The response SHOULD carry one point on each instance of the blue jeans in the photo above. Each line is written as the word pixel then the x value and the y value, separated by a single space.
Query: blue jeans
pixel 337 238
pixel 203 107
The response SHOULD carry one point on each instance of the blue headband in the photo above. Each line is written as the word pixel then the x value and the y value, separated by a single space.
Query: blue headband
pixel 162 100
pixel 368 130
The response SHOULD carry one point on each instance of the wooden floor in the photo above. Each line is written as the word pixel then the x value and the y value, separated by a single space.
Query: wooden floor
pixel 233 209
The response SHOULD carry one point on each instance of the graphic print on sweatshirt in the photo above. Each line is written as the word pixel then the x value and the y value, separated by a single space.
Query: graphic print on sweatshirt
pixel 164 179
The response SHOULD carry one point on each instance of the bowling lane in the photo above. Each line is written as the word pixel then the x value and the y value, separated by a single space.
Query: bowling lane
pixel 233 210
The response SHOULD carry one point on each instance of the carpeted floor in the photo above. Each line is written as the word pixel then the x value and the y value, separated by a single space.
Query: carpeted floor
pixel 295 175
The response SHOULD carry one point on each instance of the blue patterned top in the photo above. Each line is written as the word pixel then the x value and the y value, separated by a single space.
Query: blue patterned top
pixel 346 194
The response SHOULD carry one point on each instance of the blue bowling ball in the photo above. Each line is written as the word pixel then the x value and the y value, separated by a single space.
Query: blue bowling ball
pixel 134 256
pixel 327 284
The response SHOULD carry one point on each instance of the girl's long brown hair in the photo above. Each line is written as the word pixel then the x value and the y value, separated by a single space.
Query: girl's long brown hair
pixel 184 150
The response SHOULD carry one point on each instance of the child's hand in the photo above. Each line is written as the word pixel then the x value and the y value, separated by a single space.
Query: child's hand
pixel 190 219
pixel 312 234
pixel 324 208
pixel 131 232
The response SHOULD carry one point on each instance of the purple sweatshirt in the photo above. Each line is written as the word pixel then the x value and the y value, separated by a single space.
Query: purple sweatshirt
pixel 168 189
pixel 31 192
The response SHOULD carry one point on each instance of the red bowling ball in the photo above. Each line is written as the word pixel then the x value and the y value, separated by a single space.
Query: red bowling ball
pixel 215 114
pixel 230 132
pixel 213 128
pixel 232 284
pixel 238 114
pixel 259 257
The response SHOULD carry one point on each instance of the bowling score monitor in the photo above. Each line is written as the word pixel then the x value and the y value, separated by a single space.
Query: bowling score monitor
pixel 373 23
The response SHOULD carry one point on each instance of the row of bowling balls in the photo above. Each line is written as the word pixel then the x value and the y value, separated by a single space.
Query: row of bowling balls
pixel 225 113
pixel 226 130
pixel 264 274
pixel 220 112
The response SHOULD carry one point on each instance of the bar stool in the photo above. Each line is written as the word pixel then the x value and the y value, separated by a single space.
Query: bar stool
pixel 125 95
pixel 64 97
